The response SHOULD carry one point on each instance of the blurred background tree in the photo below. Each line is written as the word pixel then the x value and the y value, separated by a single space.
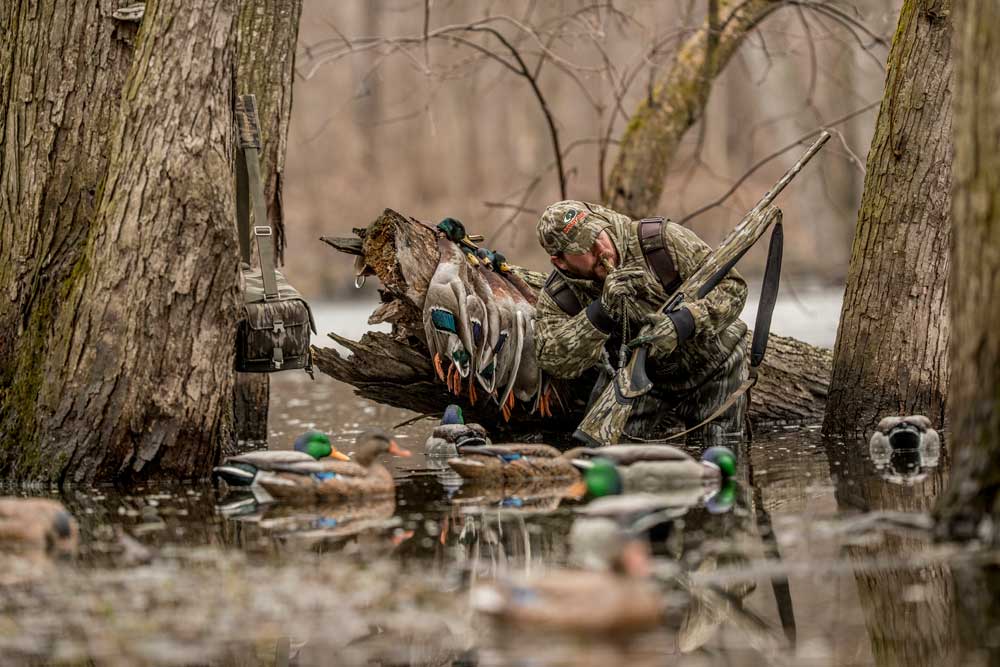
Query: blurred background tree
pixel 435 108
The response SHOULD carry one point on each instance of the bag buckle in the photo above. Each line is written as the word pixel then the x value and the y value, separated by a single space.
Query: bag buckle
pixel 279 326
pixel 262 230
pixel 278 358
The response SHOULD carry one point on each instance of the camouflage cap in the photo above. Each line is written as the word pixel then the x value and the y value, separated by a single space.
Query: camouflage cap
pixel 569 227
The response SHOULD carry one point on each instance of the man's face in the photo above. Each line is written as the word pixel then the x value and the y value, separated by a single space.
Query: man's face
pixel 589 265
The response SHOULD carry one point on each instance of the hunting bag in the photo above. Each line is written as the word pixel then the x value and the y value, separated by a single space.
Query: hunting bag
pixel 273 333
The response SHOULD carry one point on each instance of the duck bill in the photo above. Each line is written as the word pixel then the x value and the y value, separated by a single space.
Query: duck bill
pixel 396 450
pixel 339 455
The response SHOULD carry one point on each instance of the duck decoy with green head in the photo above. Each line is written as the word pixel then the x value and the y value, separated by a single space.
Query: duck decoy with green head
pixel 649 468
pixel 452 434
pixel 243 469
pixel 362 477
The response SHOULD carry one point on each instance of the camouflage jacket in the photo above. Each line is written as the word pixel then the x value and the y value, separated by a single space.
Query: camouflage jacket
pixel 566 346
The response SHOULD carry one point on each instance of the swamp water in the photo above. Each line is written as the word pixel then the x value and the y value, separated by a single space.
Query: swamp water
pixel 822 559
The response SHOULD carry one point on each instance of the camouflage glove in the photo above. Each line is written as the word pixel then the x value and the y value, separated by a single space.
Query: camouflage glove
pixel 622 286
pixel 665 331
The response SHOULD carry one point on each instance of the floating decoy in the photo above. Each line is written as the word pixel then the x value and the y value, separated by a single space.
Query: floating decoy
pixel 619 601
pixel 453 433
pixel 364 476
pixel 244 469
pixel 512 463
pixel 649 468
pixel 37 526
pixel 911 432
pixel 902 447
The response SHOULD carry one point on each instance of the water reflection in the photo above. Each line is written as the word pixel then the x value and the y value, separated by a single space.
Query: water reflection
pixel 811 563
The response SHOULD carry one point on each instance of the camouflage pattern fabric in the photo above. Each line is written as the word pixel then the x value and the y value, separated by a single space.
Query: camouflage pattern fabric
pixel 567 346
pixel 570 227
pixel 691 408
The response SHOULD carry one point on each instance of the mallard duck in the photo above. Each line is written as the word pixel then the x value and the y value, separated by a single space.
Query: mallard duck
pixel 37 526
pixel 455 232
pixel 512 463
pixel 446 317
pixel 913 432
pixel 244 469
pixel 362 477
pixel 618 601
pixel 649 468
pixel 453 433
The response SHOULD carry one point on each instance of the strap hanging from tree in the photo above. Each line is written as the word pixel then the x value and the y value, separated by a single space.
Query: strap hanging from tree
pixel 250 191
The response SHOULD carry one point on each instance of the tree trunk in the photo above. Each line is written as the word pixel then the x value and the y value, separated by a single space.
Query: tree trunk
pixel 266 40
pixel 891 350
pixel 974 406
pixel 395 368
pixel 62 64
pixel 676 103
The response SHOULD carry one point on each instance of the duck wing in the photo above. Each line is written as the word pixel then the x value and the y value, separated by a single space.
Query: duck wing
pixel 263 460
pixel 445 312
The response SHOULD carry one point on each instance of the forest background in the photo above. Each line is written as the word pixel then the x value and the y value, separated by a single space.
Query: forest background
pixel 445 130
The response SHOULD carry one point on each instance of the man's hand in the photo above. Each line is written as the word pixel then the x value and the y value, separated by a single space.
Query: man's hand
pixel 663 332
pixel 621 286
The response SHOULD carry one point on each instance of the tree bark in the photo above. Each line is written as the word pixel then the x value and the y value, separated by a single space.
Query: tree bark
pixel 891 350
pixel 266 37
pixel 61 66
pixel 395 368
pixel 676 103
pixel 974 405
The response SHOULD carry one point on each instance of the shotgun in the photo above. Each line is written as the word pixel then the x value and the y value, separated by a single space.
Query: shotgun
pixel 605 421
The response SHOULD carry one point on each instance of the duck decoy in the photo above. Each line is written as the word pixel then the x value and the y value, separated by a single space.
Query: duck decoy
pixel 620 600
pixel 446 317
pixel 453 433
pixel 512 463
pixel 37 526
pixel 912 432
pixel 362 477
pixel 902 448
pixel 244 469
pixel 649 468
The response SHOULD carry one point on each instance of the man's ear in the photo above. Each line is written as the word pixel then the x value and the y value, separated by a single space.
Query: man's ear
pixel 558 262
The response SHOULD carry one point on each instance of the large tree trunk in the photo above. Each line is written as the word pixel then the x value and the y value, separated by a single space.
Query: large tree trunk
pixel 891 350
pixel 974 405
pixel 395 368
pixel 266 39
pixel 139 380
pixel 117 243
pixel 62 65
pixel 676 103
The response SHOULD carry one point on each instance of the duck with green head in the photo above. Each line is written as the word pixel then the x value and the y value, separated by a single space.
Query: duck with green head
pixel 244 469
pixel 650 468
pixel 452 434
pixel 362 477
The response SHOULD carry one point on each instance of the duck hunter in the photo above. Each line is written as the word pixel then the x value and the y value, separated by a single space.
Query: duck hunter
pixel 612 274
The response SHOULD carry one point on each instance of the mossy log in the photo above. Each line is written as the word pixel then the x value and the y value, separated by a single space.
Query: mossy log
pixel 394 368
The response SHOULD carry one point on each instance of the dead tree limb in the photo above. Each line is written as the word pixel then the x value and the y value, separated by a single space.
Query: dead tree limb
pixel 394 368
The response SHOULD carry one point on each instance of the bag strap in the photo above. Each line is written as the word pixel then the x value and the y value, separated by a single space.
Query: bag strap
pixel 657 256
pixel 761 329
pixel 248 178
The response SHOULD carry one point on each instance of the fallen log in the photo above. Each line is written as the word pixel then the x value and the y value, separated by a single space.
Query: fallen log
pixel 394 368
